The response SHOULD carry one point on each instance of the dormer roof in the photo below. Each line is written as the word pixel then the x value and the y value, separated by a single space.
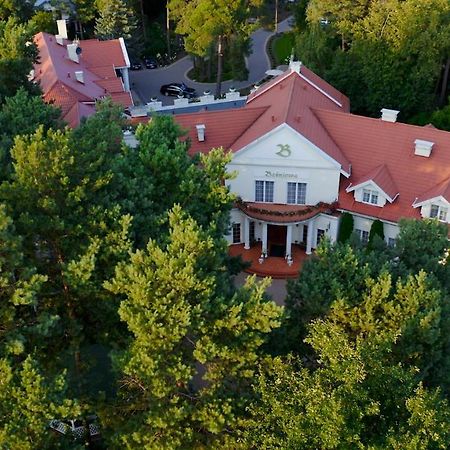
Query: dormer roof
pixel 442 190
pixel 380 177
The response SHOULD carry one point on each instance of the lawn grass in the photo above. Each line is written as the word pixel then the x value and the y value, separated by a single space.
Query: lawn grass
pixel 282 48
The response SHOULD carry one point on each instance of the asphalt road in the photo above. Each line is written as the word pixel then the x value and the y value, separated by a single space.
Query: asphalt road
pixel 146 83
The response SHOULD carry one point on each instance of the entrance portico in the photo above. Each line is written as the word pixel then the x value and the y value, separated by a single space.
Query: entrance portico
pixel 270 237
pixel 283 232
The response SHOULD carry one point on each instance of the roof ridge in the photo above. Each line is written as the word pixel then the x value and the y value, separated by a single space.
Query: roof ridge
pixel 272 83
pixel 264 109
pixel 73 91
pixel 379 120
pixel 313 110
pixel 290 100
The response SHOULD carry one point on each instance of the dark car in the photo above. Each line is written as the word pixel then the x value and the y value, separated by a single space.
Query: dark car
pixel 178 90
pixel 150 63
pixel 135 65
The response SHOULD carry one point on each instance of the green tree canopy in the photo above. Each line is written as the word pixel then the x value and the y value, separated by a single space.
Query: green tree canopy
pixel 187 373
pixel 22 114
pixel 17 55
pixel 116 19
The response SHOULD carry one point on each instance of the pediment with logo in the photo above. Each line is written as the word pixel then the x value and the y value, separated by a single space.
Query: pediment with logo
pixel 284 147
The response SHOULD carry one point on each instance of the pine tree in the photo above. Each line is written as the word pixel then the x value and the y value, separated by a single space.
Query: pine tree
pixel 28 398
pixel 58 198
pixel 149 180
pixel 187 373
pixel 362 385
pixel 17 56
pixel 116 19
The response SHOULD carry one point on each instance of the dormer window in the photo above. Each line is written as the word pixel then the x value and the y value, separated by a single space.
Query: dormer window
pixel 438 212
pixel 370 196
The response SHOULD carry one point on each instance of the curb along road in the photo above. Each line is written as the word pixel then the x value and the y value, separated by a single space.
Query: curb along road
pixel 146 83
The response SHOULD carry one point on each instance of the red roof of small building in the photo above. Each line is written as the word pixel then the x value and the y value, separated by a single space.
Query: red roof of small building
pixel 55 72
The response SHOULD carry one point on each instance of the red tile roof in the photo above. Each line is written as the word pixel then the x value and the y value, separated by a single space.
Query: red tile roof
pixel 289 99
pixel 103 53
pixel 55 73
pixel 369 143
pixel 440 190
pixel 221 127
pixel 382 178
pixel 77 112
pixel 111 85
pixel 366 148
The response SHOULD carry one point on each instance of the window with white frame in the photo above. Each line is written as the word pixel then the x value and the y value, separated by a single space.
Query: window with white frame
pixel 363 236
pixel 236 227
pixel 438 212
pixel 264 191
pixel 296 193
pixel 391 242
pixel 370 196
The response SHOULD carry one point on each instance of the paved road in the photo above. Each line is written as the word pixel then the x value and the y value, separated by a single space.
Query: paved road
pixel 146 83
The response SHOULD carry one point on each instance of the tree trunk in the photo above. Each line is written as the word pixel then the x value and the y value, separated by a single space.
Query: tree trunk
pixel 219 66
pixel 276 16
pixel 144 31
pixel 442 97
pixel 209 64
pixel 168 30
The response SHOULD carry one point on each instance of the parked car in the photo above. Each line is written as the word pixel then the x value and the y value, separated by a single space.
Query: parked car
pixel 135 65
pixel 150 63
pixel 178 90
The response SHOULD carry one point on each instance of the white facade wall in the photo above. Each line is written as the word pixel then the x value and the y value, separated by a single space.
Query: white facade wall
pixel 362 223
pixel 284 156
pixel 425 209
pixel 359 195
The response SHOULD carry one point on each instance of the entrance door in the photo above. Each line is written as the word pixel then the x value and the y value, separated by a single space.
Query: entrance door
pixel 276 240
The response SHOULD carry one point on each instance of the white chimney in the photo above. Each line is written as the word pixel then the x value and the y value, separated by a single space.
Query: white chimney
pixel 295 66
pixel 79 75
pixel 200 132
pixel 59 39
pixel 389 115
pixel 72 52
pixel 423 148
pixel 62 28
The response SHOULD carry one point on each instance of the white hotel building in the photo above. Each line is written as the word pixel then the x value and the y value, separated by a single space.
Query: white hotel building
pixel 301 159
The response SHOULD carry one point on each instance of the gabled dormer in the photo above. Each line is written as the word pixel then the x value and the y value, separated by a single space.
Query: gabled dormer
pixel 435 203
pixel 375 188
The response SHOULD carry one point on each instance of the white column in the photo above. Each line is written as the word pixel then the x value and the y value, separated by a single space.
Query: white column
pixel 126 80
pixel 247 234
pixel 264 238
pixel 333 230
pixel 289 241
pixel 309 238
